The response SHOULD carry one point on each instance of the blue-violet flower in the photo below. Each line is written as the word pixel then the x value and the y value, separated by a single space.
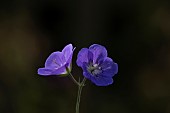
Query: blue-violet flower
pixel 57 62
pixel 96 65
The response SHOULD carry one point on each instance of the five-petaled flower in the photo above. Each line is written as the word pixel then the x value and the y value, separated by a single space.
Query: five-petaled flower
pixel 96 65
pixel 58 63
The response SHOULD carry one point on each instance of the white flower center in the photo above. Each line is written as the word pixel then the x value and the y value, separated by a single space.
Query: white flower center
pixel 94 69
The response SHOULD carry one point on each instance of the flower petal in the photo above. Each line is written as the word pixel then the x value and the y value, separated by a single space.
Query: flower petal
pixel 102 81
pixel 59 71
pixel 85 71
pixel 90 57
pixel 47 71
pixel 99 52
pixel 44 71
pixel 109 68
pixel 55 60
pixel 82 57
pixel 69 61
pixel 67 51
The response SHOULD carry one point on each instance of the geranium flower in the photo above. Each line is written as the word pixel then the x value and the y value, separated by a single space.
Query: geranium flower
pixel 57 62
pixel 96 66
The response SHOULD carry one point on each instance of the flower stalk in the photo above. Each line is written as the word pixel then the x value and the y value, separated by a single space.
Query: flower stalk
pixel 71 76
pixel 80 87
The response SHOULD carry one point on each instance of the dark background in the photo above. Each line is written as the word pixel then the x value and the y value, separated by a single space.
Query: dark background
pixel 136 34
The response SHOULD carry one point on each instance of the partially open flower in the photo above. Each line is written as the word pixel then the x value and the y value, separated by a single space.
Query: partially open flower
pixel 96 65
pixel 57 62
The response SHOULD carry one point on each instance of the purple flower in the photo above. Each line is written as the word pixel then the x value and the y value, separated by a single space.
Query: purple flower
pixel 57 62
pixel 96 65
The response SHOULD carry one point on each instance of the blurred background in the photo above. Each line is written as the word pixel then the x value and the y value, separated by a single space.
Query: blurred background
pixel 136 34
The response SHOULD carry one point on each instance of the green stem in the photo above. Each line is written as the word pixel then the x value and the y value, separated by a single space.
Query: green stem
pixel 74 80
pixel 71 76
pixel 79 95
pixel 80 87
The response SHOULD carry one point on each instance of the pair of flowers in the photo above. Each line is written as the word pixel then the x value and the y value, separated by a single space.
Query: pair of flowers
pixel 96 66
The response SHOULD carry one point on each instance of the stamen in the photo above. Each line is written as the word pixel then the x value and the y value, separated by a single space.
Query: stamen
pixel 94 69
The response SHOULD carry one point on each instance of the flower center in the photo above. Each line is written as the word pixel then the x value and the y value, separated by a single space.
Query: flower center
pixel 94 69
